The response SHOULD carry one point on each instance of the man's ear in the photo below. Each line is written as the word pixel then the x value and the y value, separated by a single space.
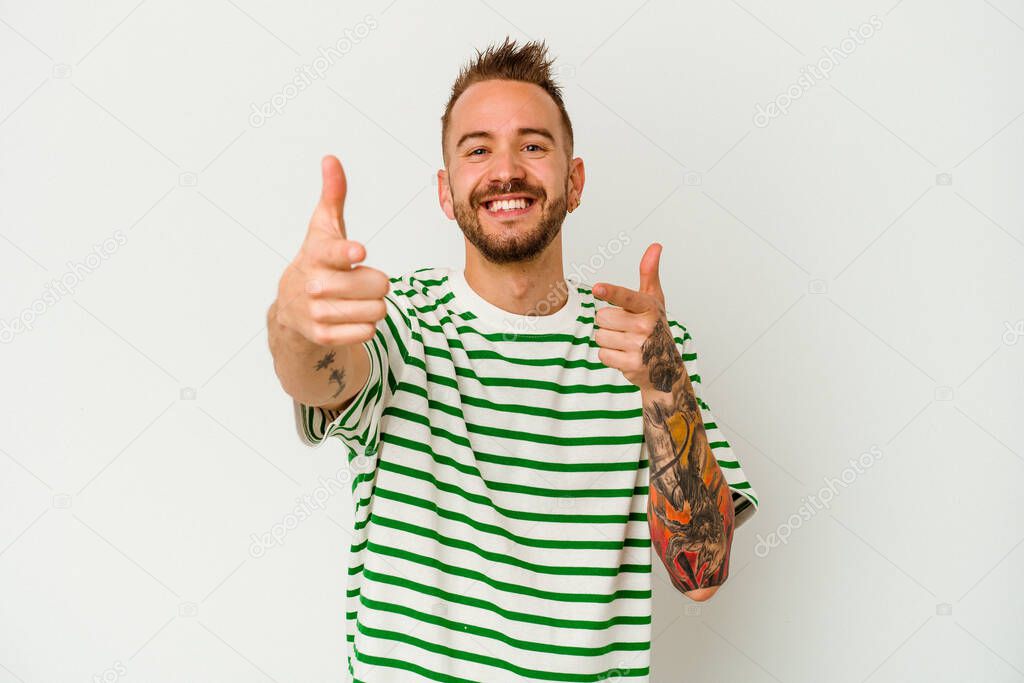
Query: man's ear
pixel 444 195
pixel 577 177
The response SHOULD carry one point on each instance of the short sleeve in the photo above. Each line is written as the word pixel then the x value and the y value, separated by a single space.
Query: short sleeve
pixel 744 498
pixel 357 425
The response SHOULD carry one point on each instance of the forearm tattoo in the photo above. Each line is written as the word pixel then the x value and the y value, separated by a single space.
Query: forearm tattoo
pixel 325 361
pixel 689 507
pixel 335 375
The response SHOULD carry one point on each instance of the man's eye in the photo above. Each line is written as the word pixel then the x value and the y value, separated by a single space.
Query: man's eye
pixel 474 151
pixel 539 148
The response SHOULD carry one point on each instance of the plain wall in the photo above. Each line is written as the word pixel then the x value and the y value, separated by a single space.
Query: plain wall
pixel 850 268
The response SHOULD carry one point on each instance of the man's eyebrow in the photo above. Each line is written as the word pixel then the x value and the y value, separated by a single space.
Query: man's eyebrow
pixel 543 132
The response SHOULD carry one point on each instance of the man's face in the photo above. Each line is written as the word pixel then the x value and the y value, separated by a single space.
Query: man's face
pixel 506 139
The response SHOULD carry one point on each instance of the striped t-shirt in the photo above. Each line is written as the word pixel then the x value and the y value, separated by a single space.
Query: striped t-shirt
pixel 500 493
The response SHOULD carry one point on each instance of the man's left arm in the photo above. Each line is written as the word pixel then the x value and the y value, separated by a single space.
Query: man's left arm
pixel 689 507
pixel 689 504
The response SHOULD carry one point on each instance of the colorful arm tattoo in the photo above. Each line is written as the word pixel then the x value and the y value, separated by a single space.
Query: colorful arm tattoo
pixel 690 506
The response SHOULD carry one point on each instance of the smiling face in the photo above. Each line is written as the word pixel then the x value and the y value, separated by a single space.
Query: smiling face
pixel 509 179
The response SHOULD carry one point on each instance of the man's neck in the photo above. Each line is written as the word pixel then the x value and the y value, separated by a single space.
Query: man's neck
pixel 536 287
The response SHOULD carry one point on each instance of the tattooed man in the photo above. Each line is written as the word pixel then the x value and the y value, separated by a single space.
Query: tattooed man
pixel 520 444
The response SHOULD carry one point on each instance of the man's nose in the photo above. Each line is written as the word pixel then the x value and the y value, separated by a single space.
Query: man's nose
pixel 505 167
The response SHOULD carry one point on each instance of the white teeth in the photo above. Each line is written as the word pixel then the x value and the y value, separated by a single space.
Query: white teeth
pixel 506 205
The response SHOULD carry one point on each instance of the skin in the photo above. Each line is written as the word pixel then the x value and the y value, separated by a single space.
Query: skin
pixel 689 506
pixel 328 304
pixel 514 263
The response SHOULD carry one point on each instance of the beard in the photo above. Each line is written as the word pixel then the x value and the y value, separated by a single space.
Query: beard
pixel 524 241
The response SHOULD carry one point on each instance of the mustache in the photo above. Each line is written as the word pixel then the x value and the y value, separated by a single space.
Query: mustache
pixel 512 187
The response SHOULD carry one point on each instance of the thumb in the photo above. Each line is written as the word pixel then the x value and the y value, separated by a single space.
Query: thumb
pixel 650 280
pixel 332 194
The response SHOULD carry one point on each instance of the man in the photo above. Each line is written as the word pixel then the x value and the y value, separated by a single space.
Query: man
pixel 518 449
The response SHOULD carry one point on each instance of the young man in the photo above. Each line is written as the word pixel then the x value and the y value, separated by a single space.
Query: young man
pixel 518 449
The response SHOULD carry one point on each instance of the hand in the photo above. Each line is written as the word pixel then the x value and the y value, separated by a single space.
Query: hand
pixel 633 333
pixel 321 295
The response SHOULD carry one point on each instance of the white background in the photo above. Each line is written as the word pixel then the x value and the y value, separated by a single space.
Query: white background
pixel 843 293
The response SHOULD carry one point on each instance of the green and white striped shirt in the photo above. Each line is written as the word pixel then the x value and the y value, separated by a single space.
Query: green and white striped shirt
pixel 500 499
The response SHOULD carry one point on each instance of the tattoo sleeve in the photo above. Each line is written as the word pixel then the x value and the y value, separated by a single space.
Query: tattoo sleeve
pixel 689 507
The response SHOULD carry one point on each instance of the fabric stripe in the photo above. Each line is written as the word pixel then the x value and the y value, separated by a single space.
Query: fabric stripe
pixel 499 494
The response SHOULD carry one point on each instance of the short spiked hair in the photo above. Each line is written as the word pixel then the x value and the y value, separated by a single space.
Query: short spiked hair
pixel 508 61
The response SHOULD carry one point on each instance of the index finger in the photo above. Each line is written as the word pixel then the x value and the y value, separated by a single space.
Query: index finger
pixel 628 299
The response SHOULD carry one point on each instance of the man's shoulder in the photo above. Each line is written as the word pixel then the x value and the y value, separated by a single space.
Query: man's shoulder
pixel 419 294
pixel 424 283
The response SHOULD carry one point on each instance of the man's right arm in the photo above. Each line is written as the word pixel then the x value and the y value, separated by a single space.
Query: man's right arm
pixel 324 376
pixel 326 307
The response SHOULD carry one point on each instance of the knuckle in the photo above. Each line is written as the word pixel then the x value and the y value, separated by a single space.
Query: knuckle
pixel 345 246
pixel 314 286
